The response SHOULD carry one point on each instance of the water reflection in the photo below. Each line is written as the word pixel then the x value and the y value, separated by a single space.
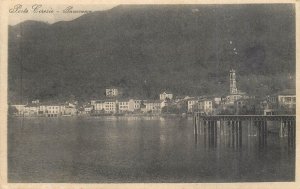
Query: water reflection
pixel 137 149
pixel 238 134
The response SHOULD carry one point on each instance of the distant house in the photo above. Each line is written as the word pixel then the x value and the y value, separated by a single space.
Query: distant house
pixel 191 104
pixel 31 110
pixel 111 92
pixel 123 106
pixel 68 109
pixel 217 100
pixel 134 105
pixel 20 108
pixel 205 105
pixel 151 106
pixel 110 106
pixel 98 106
pixel 50 109
pixel 166 95
pixel 287 98
pixel 35 101
pixel 284 100
pixel 88 109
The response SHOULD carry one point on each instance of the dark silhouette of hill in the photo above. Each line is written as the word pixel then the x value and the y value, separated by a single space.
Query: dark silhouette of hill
pixel 142 49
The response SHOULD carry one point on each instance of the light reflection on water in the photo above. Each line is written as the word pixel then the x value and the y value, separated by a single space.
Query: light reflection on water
pixel 139 149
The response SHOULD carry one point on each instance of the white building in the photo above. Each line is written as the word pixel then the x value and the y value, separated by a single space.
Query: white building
pixel 191 104
pixel 123 106
pixel 217 100
pixel 134 105
pixel 50 110
pixel 166 95
pixel 35 101
pixel 205 105
pixel 88 109
pixel 20 108
pixel 151 106
pixel 68 109
pixel 111 92
pixel 286 98
pixel 98 105
pixel 110 106
pixel 31 110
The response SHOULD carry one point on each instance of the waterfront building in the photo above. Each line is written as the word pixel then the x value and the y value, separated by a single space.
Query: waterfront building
pixel 151 106
pixel 98 105
pixel 50 110
pixel 284 101
pixel 68 109
pixel 137 104
pixel 87 109
pixel 110 106
pixel 217 100
pixel 31 110
pixel 191 103
pixel 134 105
pixel 123 106
pixel 20 109
pixel 205 106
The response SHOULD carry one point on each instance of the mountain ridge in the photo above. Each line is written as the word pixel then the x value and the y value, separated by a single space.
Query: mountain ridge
pixel 143 49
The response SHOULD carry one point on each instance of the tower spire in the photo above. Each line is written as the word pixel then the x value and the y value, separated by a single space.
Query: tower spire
pixel 232 76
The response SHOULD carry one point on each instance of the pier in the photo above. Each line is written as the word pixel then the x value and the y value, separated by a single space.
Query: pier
pixel 231 128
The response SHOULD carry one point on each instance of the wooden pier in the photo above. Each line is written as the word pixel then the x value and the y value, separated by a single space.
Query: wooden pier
pixel 214 126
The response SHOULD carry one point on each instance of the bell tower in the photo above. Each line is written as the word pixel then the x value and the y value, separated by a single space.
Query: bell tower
pixel 233 88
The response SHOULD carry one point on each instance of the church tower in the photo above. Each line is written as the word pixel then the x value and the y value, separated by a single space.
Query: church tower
pixel 233 88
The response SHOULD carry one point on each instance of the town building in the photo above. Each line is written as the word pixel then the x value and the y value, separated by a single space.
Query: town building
pixel 284 101
pixel 88 109
pixel 68 110
pixel 98 106
pixel 205 106
pixel 31 110
pixel 217 100
pixel 166 95
pixel 110 106
pixel 50 110
pixel 20 109
pixel 111 92
pixel 234 93
pixel 151 106
pixel 35 101
pixel 123 106
pixel 191 103
pixel 134 105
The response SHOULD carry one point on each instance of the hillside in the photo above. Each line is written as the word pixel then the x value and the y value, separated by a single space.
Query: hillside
pixel 143 49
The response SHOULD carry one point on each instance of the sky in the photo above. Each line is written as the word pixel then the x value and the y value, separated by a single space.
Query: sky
pixel 18 13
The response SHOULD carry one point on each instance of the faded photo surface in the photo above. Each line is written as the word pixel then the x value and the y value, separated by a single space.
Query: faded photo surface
pixel 151 93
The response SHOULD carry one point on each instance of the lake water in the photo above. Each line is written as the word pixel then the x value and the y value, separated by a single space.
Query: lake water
pixel 141 149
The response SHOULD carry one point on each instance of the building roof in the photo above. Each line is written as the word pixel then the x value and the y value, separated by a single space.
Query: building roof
pixel 166 91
